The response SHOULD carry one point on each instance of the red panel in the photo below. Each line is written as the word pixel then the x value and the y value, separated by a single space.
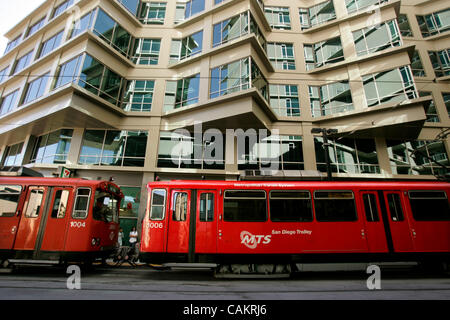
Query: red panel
pixel 56 228
pixel 400 228
pixel 178 231
pixel 206 230
pixel 374 231
pixel 31 219
pixel 9 226
pixel 154 231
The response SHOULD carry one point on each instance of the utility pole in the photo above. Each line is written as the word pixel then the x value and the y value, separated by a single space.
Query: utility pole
pixel 325 134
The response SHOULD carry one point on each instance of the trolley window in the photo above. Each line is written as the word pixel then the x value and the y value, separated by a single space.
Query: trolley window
pixel 206 207
pixel 422 201
pixel 60 204
pixel 158 206
pixel 248 206
pixel 9 199
pixel 81 207
pixel 371 207
pixel 290 206
pixel 180 205
pixel 335 206
pixel 34 203
pixel 105 207
pixel 395 207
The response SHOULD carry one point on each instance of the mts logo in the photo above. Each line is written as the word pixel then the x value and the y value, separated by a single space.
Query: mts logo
pixel 252 241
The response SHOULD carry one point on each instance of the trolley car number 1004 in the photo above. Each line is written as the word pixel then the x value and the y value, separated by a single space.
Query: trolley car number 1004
pixel 77 224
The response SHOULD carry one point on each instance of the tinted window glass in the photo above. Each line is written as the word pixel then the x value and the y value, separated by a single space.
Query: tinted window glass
pixel 371 207
pixel 60 204
pixel 180 205
pixel 333 206
pixel 207 207
pixel 290 206
pixel 395 207
pixel 422 201
pixel 245 206
pixel 158 204
pixel 9 198
pixel 80 210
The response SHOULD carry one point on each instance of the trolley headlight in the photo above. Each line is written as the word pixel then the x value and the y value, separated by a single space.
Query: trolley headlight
pixel 95 242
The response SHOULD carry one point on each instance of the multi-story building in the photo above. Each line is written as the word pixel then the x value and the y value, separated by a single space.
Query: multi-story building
pixel 228 89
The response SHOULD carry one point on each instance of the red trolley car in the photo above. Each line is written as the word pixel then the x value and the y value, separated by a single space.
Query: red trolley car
pixel 235 223
pixel 57 219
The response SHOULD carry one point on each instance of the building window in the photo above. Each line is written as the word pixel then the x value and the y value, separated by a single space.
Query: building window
pixel 418 157
pixel 330 99
pixel 35 28
pixel 36 88
pixel 236 76
pixel 131 5
pixel 183 151
pixel 431 112
pixel 152 12
pixel 377 38
pixel 13 155
pixel 270 153
pixel 323 53
pixel 281 55
pixel 192 7
pixel 417 66
pixel 22 62
pixel 9 102
pixel 113 33
pixel 146 51
pixel 230 29
pixel 94 77
pixel 52 148
pixel 182 93
pixel 316 15
pixel 12 44
pixel 389 86
pixel 61 8
pixel 441 62
pixel 138 95
pixel 100 80
pixel 114 148
pixel 85 23
pixel 50 44
pixel 230 78
pixel 187 47
pixel 284 100
pixel 278 17
pixel 356 5
pixel 434 23
pixel 68 71
pixel 354 156
pixel 446 97
pixel 403 24
pixel 4 74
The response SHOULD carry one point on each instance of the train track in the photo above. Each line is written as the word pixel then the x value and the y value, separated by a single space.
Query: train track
pixel 142 283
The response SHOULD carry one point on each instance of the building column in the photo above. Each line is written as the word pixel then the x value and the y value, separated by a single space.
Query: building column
pixel 231 164
pixel 309 152
pixel 75 146
pixel 383 156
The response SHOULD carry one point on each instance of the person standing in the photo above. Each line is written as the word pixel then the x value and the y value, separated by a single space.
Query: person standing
pixel 120 237
pixel 133 237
